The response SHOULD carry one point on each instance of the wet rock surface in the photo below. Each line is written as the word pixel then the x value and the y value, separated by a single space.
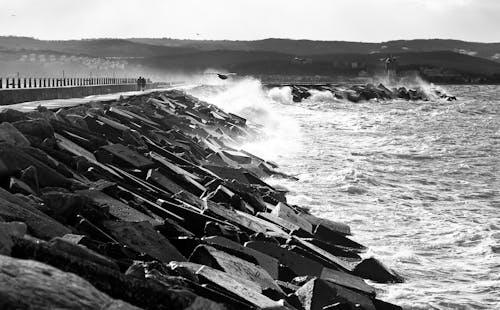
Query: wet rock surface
pixel 147 202
pixel 366 92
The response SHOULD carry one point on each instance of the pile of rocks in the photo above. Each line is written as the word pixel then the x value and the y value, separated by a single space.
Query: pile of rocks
pixel 359 93
pixel 142 202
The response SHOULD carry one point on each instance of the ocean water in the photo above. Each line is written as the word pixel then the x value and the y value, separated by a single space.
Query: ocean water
pixel 418 182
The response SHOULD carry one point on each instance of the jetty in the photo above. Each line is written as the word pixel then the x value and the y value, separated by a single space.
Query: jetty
pixel 145 200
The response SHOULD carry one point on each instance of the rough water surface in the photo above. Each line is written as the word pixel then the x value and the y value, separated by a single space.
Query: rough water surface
pixel 418 182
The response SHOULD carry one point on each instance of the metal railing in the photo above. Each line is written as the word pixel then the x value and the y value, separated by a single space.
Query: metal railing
pixel 44 82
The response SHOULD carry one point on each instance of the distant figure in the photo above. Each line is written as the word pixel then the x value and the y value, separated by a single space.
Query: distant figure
pixel 139 83
pixel 143 84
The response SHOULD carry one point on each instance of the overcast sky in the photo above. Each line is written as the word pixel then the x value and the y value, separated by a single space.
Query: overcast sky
pixel 352 20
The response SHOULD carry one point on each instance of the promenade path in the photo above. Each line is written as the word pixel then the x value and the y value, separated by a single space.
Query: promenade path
pixel 64 103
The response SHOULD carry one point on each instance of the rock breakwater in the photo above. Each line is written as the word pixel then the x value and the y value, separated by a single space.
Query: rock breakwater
pixel 367 92
pixel 146 202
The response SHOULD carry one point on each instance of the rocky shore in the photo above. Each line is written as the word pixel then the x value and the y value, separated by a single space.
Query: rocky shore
pixel 146 203
pixel 367 92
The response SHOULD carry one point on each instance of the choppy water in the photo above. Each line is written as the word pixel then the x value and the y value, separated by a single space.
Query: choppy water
pixel 418 182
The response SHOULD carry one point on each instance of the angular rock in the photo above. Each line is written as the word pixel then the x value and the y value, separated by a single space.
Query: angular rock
pixel 18 160
pixel 40 225
pixel 209 256
pixel 10 134
pixel 270 264
pixel 81 251
pixel 299 264
pixel 319 294
pixel 26 284
pixel 129 157
pixel 117 208
pixel 288 214
pixel 236 287
pixel 142 237
pixel 7 231
pixel 371 268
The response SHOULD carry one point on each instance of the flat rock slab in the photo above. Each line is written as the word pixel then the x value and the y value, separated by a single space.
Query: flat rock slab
pixel 300 265
pixel 347 280
pixel 209 256
pixel 117 208
pixel 27 284
pixel 270 264
pixel 334 226
pixel 142 237
pixel 318 294
pixel 12 208
pixel 286 213
pixel 129 156
pixel 247 290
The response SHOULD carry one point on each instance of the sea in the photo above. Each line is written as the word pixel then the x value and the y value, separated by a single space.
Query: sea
pixel 417 181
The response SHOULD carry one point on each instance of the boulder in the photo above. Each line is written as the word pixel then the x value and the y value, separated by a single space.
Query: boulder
pixel 27 284
pixel 19 159
pixel 286 213
pixel 36 129
pixel 371 268
pixel 299 264
pixel 39 225
pixel 319 294
pixel 142 237
pixel 116 208
pixel 10 134
pixel 209 256
pixel 129 157
pixel 235 287
pixel 270 264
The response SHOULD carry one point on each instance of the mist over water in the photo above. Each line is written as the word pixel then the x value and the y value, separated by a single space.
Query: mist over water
pixel 418 182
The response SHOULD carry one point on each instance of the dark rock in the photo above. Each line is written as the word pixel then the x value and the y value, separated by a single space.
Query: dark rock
pixel 128 156
pixel 10 134
pixel 209 256
pixel 65 207
pixel 319 294
pixel 7 231
pixel 371 268
pixel 80 251
pixel 270 264
pixel 26 284
pixel 18 160
pixel 30 177
pixel 299 264
pixel 40 225
pixel 11 115
pixel 217 229
pixel 36 130
pixel 246 291
pixel 142 237
pixel 141 293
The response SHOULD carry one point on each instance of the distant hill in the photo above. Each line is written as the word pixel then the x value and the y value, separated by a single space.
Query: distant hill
pixel 489 51
pixel 437 60
pixel 95 47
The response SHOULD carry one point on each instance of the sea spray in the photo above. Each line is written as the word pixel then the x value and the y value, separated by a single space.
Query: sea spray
pixel 248 98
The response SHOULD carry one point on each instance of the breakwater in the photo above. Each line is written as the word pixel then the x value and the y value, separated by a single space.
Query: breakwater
pixel 366 92
pixel 147 202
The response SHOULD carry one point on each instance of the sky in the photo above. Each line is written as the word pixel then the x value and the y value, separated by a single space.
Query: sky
pixel 350 20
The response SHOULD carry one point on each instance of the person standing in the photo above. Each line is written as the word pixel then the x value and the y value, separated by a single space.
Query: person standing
pixel 143 84
pixel 139 83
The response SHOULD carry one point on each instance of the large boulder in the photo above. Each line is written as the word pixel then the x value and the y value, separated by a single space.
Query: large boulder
pixel 27 284
pixel 371 268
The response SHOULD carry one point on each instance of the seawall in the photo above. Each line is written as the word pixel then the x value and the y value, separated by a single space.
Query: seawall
pixel 146 202
pixel 12 96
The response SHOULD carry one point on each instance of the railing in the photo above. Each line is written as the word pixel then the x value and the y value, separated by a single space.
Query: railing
pixel 29 82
